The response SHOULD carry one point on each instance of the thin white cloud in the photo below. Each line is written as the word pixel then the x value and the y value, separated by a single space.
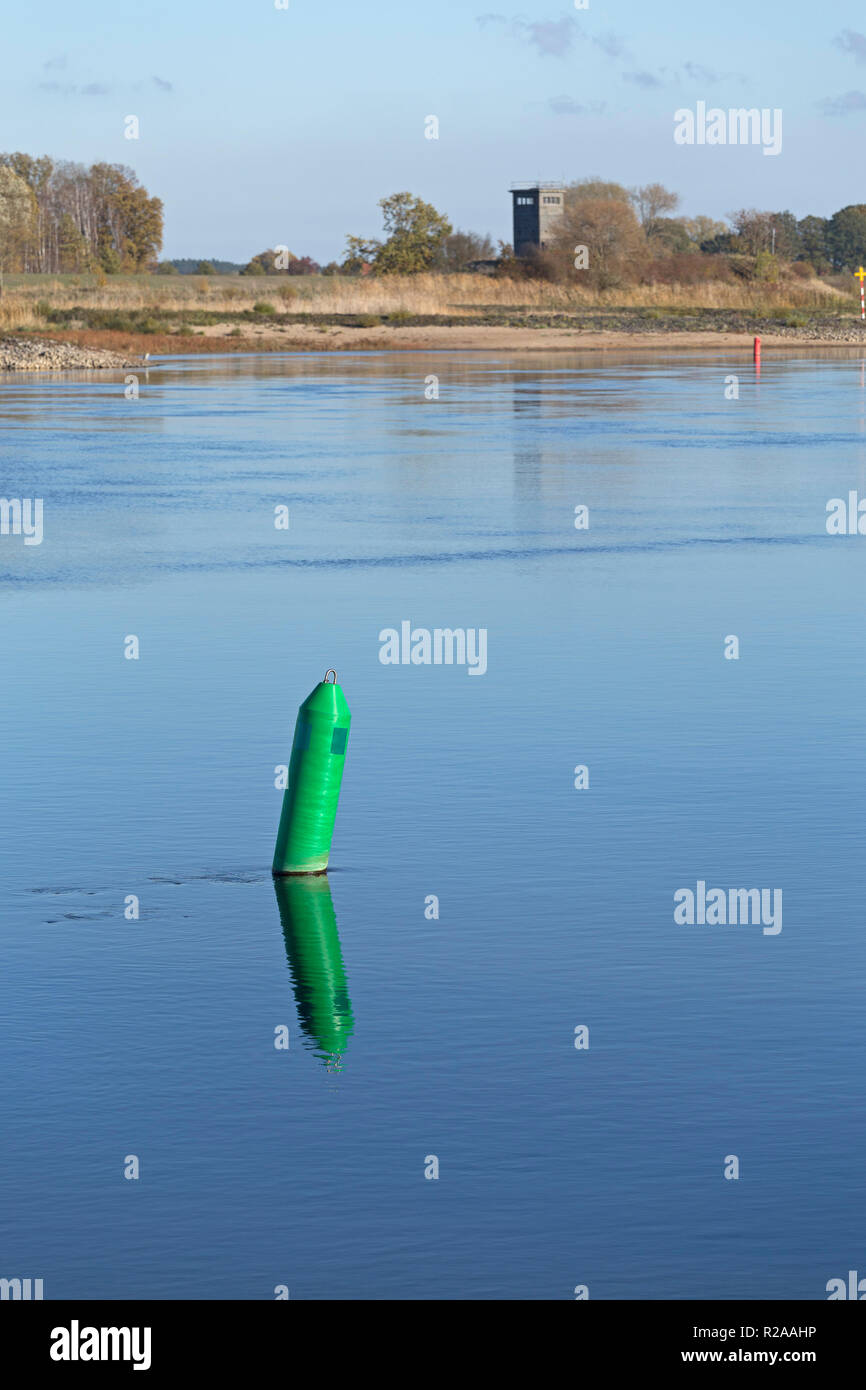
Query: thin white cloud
pixel 569 106
pixel 642 79
pixel 612 45
pixel 851 42
pixel 552 37
pixel 844 105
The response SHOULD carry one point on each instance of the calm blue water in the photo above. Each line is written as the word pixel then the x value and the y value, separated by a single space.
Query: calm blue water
pixel 412 1036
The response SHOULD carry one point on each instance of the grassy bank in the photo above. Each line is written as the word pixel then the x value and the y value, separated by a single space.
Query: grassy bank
pixel 161 314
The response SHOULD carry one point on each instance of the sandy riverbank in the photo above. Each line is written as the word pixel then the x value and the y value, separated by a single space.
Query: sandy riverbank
pixel 127 348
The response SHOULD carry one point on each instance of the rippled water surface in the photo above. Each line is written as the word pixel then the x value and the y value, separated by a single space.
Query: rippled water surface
pixel 410 1035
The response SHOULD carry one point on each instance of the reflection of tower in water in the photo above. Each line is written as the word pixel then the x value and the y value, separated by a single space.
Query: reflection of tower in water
pixel 526 403
pixel 316 964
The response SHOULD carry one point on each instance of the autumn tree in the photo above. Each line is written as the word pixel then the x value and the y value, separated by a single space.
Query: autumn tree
pixel 592 189
pixel 83 217
pixel 846 237
pixel 17 219
pixel 459 249
pixel 667 234
pixel 142 228
pixel 702 228
pixel 785 239
pixel 274 261
pixel 813 241
pixel 651 202
pixel 128 222
pixel 415 233
pixel 73 252
pixel 752 229
pixel 360 252
pixel 303 265
pixel 611 236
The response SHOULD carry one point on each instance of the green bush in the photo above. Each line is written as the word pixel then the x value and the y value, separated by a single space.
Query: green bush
pixel 110 260
pixel 263 307
pixel 766 268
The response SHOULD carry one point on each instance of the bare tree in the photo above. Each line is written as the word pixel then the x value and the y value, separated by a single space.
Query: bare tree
pixel 652 201
pixel 754 229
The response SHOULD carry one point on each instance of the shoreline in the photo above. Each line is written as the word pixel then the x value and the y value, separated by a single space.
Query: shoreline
pixel 108 349
pixel 444 338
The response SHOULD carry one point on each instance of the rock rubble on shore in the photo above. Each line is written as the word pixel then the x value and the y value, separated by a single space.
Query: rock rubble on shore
pixel 44 355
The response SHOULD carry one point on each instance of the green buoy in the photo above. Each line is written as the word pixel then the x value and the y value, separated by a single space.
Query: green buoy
pixel 316 965
pixel 315 773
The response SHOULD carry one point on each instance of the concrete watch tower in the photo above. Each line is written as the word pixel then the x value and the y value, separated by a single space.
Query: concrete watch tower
pixel 537 209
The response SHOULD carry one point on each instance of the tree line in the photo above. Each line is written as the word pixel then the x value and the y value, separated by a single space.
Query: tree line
pixel 630 234
pixel 58 216
pixel 634 235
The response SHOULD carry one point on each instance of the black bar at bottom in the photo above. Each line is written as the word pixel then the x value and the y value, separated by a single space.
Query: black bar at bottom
pixel 157 1339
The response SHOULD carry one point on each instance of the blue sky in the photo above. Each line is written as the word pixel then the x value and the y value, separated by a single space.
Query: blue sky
pixel 261 126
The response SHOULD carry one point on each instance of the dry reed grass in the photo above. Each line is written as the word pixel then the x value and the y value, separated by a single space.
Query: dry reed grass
pixel 25 297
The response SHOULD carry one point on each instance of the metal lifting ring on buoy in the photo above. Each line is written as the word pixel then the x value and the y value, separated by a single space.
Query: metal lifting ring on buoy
pixel 330 672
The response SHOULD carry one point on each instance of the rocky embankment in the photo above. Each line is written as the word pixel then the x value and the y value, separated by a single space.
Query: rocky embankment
pixel 42 355
pixel 817 328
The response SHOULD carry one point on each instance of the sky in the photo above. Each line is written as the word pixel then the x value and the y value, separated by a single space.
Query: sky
pixel 261 126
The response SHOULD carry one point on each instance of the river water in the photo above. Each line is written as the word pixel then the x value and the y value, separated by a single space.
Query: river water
pixel 148 785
